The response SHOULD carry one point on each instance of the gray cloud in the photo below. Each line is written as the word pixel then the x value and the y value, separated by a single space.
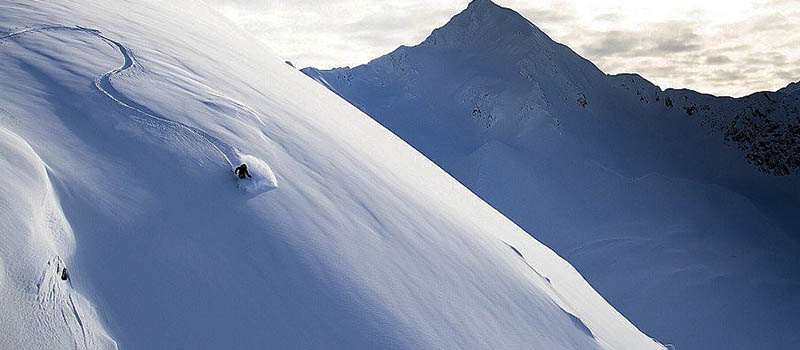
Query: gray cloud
pixel 663 39
pixel 787 75
pixel 773 22
pixel 613 43
pixel 718 59
pixel 671 46
pixel 733 48
pixel 608 17
pixel 548 16
pixel 728 76
pixel 765 58
pixel 668 38
pixel 723 48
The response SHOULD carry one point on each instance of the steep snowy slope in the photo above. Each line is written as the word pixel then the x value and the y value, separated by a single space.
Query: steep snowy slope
pixel 668 201
pixel 119 127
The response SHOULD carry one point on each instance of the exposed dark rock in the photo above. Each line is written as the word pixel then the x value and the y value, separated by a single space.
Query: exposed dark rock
pixel 582 100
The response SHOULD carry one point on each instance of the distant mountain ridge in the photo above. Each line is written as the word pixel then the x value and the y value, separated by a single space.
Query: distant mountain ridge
pixel 764 125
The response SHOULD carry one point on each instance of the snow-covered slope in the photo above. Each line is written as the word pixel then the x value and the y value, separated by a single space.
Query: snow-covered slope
pixel 119 127
pixel 667 201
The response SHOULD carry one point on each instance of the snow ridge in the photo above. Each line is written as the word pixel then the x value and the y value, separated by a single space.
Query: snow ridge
pixel 37 241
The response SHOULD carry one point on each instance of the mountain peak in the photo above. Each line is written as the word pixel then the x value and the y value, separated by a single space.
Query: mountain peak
pixel 476 3
pixel 484 23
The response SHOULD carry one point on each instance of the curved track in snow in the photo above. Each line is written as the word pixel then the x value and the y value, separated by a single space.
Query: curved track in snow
pixel 103 84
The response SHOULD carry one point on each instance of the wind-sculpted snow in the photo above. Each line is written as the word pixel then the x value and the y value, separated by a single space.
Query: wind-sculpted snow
pixel 36 236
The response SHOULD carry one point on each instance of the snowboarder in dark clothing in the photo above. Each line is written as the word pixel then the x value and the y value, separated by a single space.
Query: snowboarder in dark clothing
pixel 241 171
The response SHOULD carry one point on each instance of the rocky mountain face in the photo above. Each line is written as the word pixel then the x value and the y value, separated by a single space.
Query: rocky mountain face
pixel 764 125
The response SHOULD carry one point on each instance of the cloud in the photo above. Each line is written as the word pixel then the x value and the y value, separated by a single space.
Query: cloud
pixel 608 17
pixel 548 16
pixel 727 76
pixel 335 33
pixel 718 59
pixel 667 38
pixel 772 22
pixel 680 43
pixel 671 46
pixel 765 58
pixel 662 39
pixel 612 43
pixel 787 74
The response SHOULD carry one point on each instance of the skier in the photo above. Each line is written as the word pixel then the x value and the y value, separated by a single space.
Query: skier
pixel 241 171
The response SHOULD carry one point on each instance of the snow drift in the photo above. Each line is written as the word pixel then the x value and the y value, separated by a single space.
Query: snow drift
pixel 35 238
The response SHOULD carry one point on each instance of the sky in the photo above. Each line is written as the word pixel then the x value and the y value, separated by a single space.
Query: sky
pixel 732 47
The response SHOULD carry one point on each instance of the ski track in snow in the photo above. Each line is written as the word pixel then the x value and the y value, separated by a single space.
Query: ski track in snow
pixel 49 292
pixel 103 84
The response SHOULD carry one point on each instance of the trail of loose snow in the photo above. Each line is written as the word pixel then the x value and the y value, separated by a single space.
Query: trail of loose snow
pixel 104 85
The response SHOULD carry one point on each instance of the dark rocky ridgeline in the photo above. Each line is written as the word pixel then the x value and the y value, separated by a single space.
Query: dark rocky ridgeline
pixel 765 125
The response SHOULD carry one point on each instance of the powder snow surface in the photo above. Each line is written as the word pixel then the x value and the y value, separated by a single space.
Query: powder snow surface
pixel 120 122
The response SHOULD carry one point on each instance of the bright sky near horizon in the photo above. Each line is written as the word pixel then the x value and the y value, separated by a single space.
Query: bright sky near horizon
pixel 713 46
